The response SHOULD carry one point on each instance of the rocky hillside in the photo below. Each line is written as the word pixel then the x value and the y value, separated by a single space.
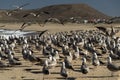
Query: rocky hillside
pixel 63 11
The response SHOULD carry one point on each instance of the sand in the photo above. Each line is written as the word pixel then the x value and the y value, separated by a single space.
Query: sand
pixel 19 72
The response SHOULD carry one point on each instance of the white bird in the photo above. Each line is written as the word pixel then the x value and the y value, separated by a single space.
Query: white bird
pixel 63 71
pixel 84 68
pixel 95 60
pixel 112 67
pixel 9 13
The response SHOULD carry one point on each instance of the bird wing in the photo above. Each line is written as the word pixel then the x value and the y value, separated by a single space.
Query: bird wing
pixel 2 26
pixel 102 28
pixel 24 5
pixel 42 32
pixel 26 15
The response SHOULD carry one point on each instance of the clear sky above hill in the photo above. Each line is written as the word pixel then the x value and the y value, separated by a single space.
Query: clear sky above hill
pixel 109 7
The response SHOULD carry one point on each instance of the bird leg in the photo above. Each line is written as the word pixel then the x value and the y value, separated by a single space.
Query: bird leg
pixel 112 75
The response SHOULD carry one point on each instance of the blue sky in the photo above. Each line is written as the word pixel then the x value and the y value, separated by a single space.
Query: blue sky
pixel 109 7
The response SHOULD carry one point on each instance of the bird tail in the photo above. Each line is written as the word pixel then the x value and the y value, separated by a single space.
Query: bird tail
pixel 38 59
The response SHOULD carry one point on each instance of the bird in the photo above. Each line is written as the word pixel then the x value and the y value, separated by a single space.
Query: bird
pixel 2 26
pixel 84 68
pixel 53 62
pixel 2 64
pixel 112 67
pixel 104 30
pixel 12 61
pixel 24 25
pixel 45 69
pixel 95 60
pixel 101 28
pixel 32 58
pixel 113 55
pixel 63 71
pixel 36 14
pixel 53 20
pixel 42 32
pixel 76 54
pixel 21 6
pixel 9 13
pixel 68 64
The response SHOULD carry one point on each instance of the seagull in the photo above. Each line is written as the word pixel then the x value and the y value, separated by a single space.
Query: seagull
pixel 112 67
pixel 2 64
pixel 76 54
pixel 25 24
pixel 104 30
pixel 24 54
pixel 68 64
pixel 84 68
pixel 9 13
pixel 21 7
pixel 63 71
pixel 114 56
pixel 32 58
pixel 2 26
pixel 45 68
pixel 12 61
pixel 35 14
pixel 42 32
pixel 95 60
pixel 54 20
pixel 53 62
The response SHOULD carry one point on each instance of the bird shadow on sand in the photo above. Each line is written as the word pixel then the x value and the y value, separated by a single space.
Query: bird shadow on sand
pixel 55 72
pixel 99 76
pixel 36 72
pixel 28 79
pixel 69 78
pixel 33 70
pixel 30 69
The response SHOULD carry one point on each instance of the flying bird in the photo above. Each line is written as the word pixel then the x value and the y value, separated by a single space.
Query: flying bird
pixel 24 25
pixel 21 7
pixel 102 28
pixel 42 33
pixel 2 26
pixel 36 14
pixel 9 13
pixel 53 20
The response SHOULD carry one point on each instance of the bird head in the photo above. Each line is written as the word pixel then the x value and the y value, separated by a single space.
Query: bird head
pixel 109 59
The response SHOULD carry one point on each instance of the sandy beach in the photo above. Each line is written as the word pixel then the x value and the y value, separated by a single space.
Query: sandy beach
pixel 35 71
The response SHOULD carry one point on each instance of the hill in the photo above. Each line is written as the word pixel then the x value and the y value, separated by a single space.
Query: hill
pixel 62 11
